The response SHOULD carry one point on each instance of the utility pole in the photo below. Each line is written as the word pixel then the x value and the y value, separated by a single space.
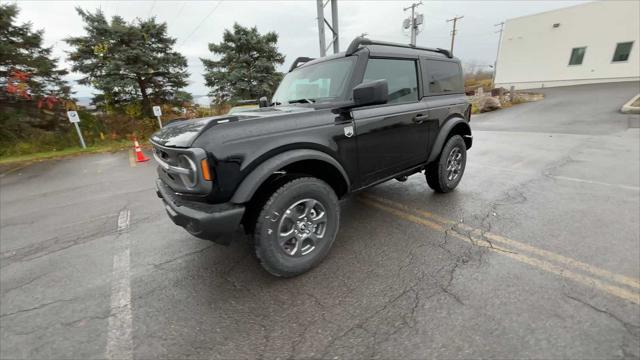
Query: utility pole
pixel 495 63
pixel 322 21
pixel 453 32
pixel 413 21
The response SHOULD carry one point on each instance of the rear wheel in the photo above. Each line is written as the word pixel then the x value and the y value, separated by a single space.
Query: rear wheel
pixel 444 174
pixel 296 227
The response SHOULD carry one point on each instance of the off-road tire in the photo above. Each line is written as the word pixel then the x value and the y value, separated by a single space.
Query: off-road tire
pixel 438 172
pixel 272 256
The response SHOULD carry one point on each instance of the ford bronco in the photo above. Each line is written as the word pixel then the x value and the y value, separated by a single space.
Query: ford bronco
pixel 336 125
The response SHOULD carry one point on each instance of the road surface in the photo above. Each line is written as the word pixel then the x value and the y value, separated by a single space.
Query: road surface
pixel 536 255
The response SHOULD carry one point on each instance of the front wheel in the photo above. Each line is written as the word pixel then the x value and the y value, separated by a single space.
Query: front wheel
pixel 444 174
pixel 296 227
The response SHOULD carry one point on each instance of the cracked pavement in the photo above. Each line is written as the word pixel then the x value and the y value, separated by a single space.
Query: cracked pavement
pixel 560 175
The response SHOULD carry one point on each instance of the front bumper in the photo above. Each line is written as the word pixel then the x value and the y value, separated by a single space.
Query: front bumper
pixel 206 221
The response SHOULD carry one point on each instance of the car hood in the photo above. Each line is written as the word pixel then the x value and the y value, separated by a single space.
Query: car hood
pixel 183 133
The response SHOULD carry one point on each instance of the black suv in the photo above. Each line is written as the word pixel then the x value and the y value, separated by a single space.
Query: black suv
pixel 335 125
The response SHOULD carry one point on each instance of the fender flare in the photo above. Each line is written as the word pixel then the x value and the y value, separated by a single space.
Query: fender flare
pixel 444 133
pixel 257 177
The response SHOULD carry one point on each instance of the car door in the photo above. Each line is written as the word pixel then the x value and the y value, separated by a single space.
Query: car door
pixel 393 136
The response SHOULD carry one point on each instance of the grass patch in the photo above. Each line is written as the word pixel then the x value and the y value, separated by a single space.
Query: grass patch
pixel 72 151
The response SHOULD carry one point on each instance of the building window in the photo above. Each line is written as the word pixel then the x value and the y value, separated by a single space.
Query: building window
pixel 622 52
pixel 577 55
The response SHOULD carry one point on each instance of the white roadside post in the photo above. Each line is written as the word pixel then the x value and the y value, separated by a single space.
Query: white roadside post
pixel 158 112
pixel 75 119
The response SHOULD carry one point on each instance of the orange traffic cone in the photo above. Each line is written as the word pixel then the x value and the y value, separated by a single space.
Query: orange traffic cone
pixel 139 154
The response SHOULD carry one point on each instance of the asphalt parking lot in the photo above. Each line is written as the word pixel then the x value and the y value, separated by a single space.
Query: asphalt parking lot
pixel 535 255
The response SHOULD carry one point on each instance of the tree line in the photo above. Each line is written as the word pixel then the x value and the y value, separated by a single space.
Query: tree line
pixel 130 64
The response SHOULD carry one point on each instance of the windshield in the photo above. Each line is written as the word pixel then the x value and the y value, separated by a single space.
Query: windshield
pixel 319 82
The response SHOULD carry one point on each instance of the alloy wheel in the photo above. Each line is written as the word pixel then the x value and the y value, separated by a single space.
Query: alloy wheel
pixel 454 164
pixel 302 227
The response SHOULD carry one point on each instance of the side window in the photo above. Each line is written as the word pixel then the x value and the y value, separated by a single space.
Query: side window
pixel 443 77
pixel 622 52
pixel 400 74
pixel 577 55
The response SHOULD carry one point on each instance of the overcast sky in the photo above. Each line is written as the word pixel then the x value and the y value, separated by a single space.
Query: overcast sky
pixel 196 23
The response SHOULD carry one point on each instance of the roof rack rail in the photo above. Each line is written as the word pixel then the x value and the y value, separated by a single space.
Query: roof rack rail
pixel 357 42
pixel 297 62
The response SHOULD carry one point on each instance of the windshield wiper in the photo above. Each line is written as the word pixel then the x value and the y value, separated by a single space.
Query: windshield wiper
pixel 301 101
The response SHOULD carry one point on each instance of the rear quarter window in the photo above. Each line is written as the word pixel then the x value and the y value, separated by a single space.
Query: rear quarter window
pixel 442 77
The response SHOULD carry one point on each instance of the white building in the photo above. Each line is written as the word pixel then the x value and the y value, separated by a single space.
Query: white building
pixel 588 43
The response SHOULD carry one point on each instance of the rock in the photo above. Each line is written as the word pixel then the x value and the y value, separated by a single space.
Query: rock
pixel 488 103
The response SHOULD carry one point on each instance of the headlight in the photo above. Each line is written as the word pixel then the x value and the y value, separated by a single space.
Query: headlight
pixel 191 179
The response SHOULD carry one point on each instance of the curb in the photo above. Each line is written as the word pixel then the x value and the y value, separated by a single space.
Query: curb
pixel 628 109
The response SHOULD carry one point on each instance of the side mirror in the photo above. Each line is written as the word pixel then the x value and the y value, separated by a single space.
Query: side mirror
pixel 263 102
pixel 371 93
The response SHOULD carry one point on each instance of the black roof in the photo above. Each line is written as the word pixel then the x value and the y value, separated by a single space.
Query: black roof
pixel 363 41
pixel 379 48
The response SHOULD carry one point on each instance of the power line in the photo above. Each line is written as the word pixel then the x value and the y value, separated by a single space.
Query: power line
pixel 453 32
pixel 181 8
pixel 200 24
pixel 153 4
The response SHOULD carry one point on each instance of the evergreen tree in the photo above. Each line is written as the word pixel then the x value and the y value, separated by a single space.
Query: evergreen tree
pixel 27 70
pixel 128 61
pixel 246 68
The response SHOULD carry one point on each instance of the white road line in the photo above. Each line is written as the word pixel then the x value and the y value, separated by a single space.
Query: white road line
pixel 628 187
pixel 123 219
pixel 483 166
pixel 119 337
pixel 558 177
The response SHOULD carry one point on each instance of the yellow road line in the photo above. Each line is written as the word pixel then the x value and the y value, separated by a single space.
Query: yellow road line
pixel 619 278
pixel 537 263
pixel 424 213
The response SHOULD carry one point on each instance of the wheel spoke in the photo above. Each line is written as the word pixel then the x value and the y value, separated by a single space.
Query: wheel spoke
pixel 288 215
pixel 320 218
pixel 313 239
pixel 287 233
pixel 308 205
pixel 290 245
pixel 283 239
pixel 320 231
pixel 307 245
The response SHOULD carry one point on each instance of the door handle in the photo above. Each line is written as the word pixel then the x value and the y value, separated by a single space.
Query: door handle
pixel 418 119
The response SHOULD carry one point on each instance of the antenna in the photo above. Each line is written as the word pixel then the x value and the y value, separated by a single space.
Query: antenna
pixel 413 21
